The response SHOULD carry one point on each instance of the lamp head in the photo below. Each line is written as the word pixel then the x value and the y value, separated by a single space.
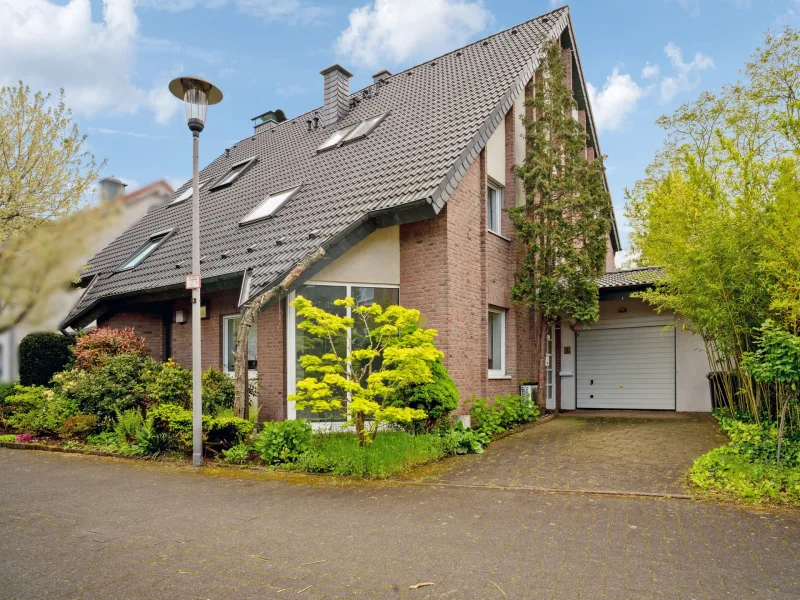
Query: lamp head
pixel 197 94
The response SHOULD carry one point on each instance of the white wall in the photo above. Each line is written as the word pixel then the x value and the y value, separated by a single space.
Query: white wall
pixel 691 385
pixel 376 259
pixel 519 142
pixel 496 155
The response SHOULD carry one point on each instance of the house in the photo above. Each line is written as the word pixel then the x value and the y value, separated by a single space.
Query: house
pixel 132 207
pixel 403 183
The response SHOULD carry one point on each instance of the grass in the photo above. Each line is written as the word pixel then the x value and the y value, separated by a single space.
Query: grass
pixel 392 452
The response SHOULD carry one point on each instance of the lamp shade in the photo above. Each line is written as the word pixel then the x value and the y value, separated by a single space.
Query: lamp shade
pixel 197 94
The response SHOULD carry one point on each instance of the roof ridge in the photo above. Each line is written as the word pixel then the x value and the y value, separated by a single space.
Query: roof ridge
pixel 564 8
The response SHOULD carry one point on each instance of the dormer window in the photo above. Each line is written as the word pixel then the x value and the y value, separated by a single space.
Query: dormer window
pixel 352 133
pixel 233 174
pixel 187 193
pixel 270 205
pixel 145 250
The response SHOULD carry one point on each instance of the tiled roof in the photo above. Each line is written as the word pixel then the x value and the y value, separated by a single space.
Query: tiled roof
pixel 440 116
pixel 639 277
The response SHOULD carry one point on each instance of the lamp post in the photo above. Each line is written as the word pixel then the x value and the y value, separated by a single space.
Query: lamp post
pixel 197 95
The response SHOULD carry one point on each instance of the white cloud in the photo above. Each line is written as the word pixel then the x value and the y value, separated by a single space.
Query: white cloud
pixel 618 98
pixel 686 74
pixel 650 71
pixel 692 6
pixel 109 131
pixel 50 46
pixel 624 259
pixel 388 32
pixel 293 12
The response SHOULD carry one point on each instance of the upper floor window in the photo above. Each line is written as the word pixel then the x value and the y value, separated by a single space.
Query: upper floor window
pixel 352 133
pixel 494 208
pixel 145 250
pixel 270 205
pixel 187 193
pixel 233 173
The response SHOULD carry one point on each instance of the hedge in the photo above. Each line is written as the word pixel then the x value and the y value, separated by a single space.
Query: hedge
pixel 42 355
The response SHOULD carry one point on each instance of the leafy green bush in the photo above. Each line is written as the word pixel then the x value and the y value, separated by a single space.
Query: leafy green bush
pixel 437 398
pixel 218 392
pixel 283 441
pixel 118 384
pixel 92 349
pixel 78 426
pixel 461 440
pixel 152 442
pixel 105 440
pixel 8 437
pixel 392 452
pixel 128 425
pixel 172 384
pixel 758 441
pixel 238 454
pixel 42 355
pixel 505 413
pixel 218 432
pixel 37 409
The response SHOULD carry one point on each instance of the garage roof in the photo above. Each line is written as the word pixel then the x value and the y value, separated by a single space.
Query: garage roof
pixel 631 278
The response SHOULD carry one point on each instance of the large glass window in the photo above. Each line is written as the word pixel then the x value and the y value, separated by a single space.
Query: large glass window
pixel 324 297
pixel 230 331
pixel 497 342
pixel 144 251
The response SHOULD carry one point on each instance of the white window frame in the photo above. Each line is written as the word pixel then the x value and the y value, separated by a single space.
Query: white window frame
pixel 160 236
pixel 187 193
pixel 291 326
pixel 251 373
pixel 245 166
pixel 284 196
pixel 501 372
pixel 497 208
pixel 550 367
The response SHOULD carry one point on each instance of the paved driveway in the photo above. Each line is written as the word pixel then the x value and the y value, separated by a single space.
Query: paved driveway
pixel 589 451
pixel 84 527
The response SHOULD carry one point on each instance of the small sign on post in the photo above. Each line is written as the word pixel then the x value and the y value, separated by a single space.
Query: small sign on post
pixel 193 281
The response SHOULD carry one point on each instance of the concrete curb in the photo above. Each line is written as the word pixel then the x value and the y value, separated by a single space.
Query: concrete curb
pixel 46 448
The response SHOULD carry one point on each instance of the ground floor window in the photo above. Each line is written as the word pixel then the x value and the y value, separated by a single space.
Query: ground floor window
pixel 230 329
pixel 324 295
pixel 549 362
pixel 497 342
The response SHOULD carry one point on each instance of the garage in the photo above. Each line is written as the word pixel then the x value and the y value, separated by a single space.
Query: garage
pixel 626 364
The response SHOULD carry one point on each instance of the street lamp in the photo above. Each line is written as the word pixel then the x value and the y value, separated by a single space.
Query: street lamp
pixel 197 95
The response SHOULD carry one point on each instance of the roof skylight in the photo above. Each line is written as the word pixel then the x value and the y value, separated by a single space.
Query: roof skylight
pixel 145 250
pixel 352 133
pixel 270 205
pixel 187 193
pixel 233 173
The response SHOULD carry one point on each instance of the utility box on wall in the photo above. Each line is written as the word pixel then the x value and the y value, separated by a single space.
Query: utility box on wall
pixel 530 391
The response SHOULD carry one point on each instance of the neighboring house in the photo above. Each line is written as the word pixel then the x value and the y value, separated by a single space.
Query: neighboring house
pixel 133 207
pixel 404 183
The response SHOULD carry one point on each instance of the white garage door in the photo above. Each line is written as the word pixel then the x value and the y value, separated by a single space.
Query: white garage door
pixel 626 367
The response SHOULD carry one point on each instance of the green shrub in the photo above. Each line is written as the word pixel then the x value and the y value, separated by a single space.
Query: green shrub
pixel 461 440
pixel 485 419
pixel 172 384
pixel 437 398
pixel 37 409
pixel 42 355
pixel 392 452
pixel 283 441
pixel 128 425
pixel 218 392
pixel 118 384
pixel 92 349
pixel 8 437
pixel 505 413
pixel 78 426
pixel 152 442
pixel 105 440
pixel 238 454
pixel 218 432
pixel 5 390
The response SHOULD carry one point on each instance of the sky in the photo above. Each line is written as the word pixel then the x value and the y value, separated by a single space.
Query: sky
pixel 114 59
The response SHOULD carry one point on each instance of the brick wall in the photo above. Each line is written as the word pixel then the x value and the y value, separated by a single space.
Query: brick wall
pixel 147 322
pixel 220 304
pixel 272 363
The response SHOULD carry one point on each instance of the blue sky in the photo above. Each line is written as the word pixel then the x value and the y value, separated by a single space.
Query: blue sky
pixel 115 57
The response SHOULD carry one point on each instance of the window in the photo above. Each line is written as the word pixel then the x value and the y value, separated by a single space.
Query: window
pixel 497 342
pixel 324 296
pixel 494 206
pixel 364 128
pixel 144 251
pixel 233 173
pixel 549 363
pixel 337 137
pixel 352 133
pixel 269 206
pixel 230 328
pixel 187 193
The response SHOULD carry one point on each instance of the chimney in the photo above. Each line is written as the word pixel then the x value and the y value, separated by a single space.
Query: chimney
pixel 111 189
pixel 336 94
pixel 268 120
pixel 381 76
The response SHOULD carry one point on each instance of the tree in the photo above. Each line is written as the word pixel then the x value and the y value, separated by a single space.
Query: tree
pixel 718 208
pixel 46 175
pixel 565 222
pixel 776 361
pixel 394 353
